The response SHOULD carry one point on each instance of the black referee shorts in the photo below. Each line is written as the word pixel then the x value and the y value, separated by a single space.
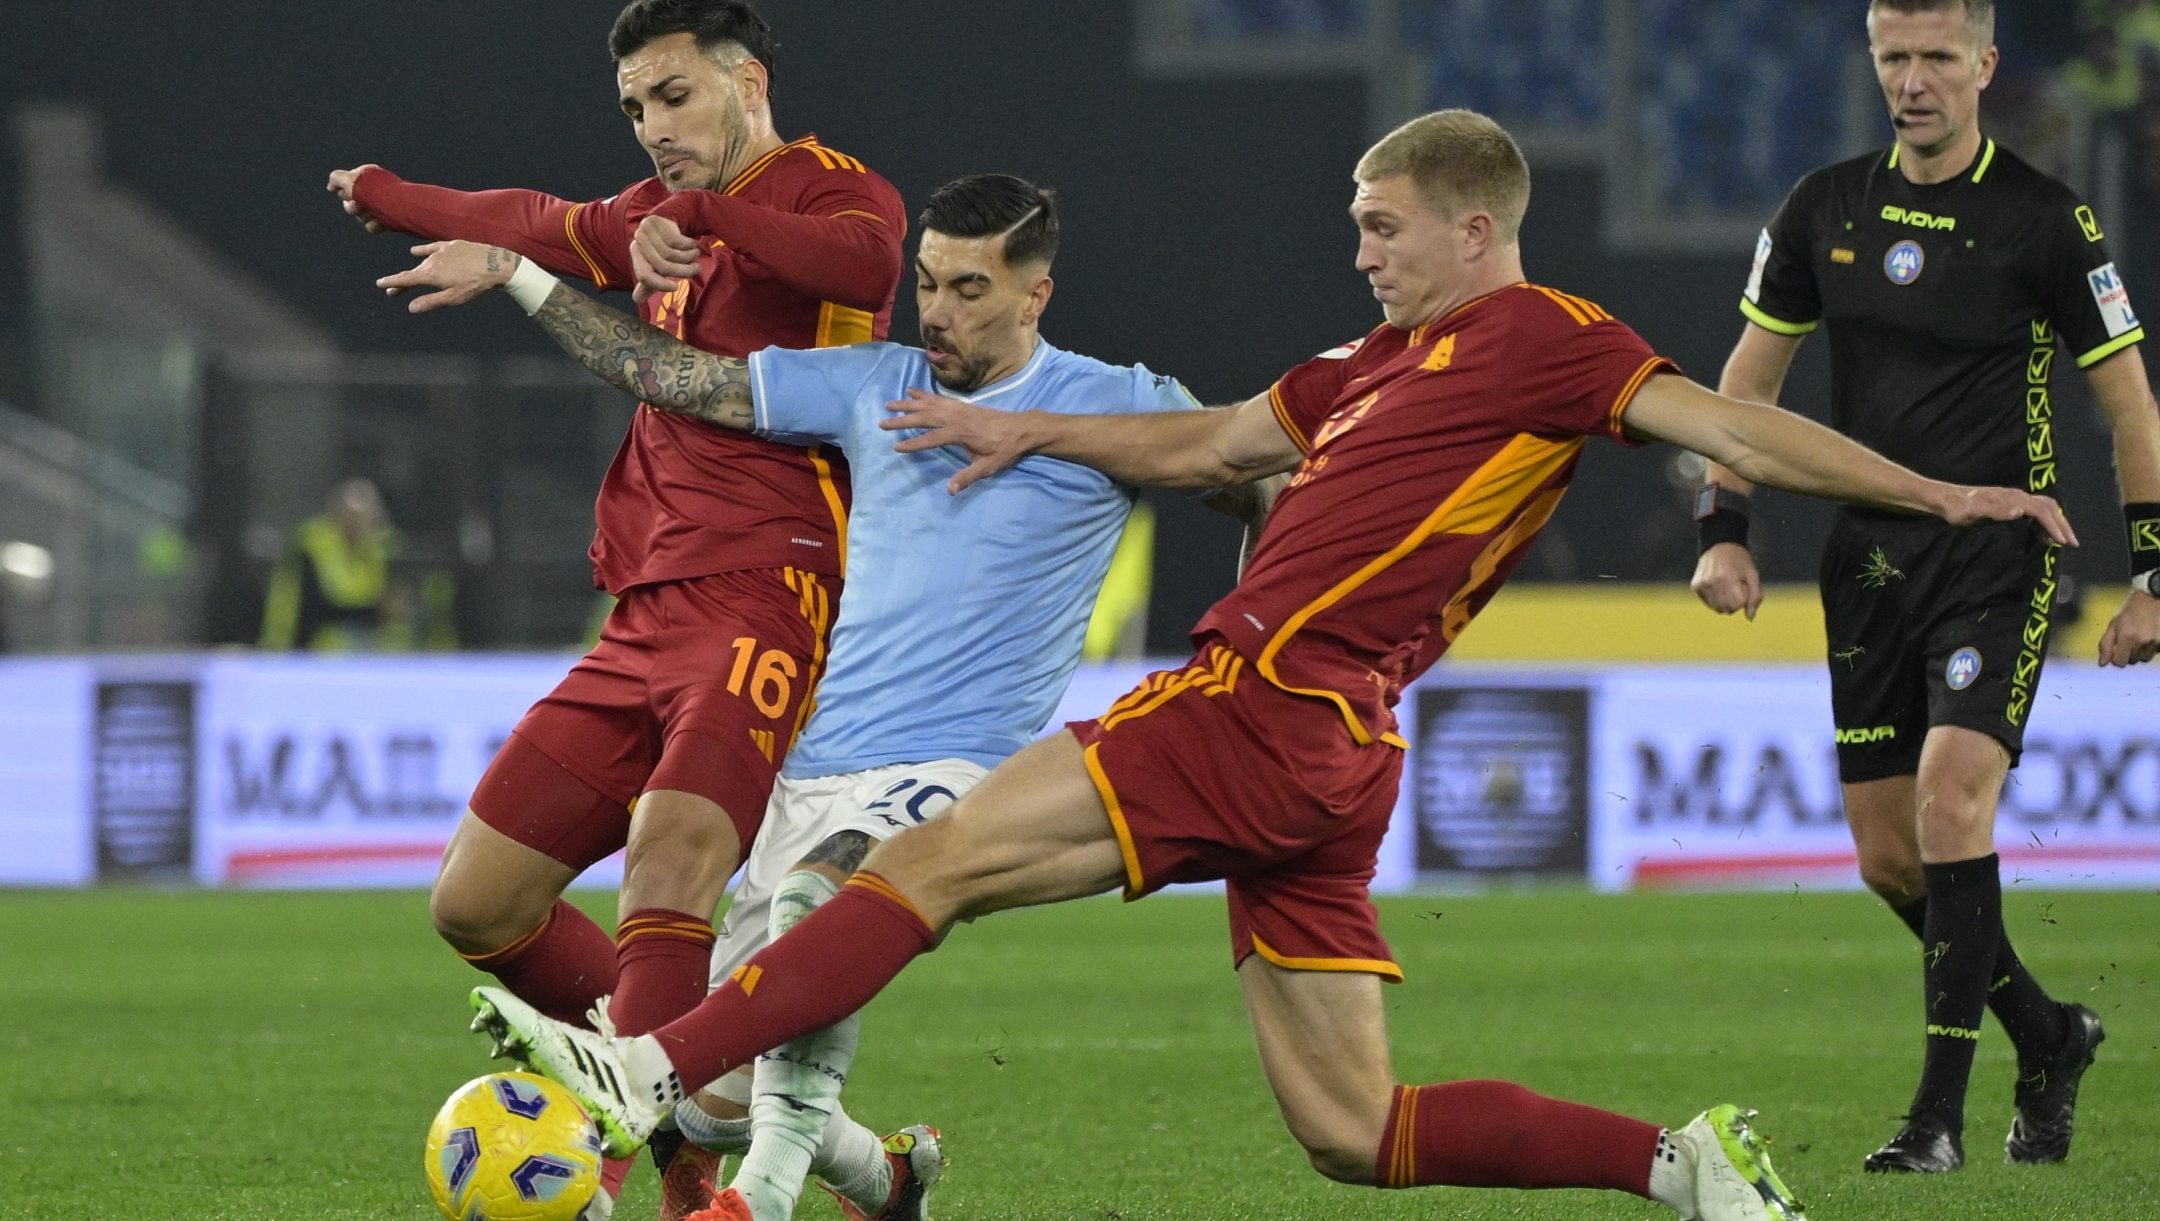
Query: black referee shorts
pixel 1932 624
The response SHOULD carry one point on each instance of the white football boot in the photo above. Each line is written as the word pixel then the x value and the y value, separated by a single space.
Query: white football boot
pixel 602 1071
pixel 1733 1177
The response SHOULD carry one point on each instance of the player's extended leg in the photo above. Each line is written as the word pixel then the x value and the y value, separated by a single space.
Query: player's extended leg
pixel 1323 1041
pixel 1035 831
pixel 498 903
pixel 683 849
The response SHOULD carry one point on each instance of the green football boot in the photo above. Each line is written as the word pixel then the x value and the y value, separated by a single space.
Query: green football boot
pixel 1733 1177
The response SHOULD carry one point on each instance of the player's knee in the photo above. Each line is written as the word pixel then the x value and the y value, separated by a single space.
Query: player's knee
pixel 1898 882
pixel 1344 1161
pixel 475 923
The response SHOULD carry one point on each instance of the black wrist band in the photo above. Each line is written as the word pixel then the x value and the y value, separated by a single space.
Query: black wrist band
pixel 1721 516
pixel 2142 520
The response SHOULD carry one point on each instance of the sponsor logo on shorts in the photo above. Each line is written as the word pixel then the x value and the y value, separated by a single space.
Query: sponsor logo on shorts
pixel 1964 667
pixel 1904 262
pixel 1861 737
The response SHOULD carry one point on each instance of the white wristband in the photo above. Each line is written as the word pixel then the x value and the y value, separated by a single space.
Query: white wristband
pixel 529 286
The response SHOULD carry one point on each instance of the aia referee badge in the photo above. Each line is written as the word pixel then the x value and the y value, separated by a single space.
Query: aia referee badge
pixel 1964 667
pixel 1904 262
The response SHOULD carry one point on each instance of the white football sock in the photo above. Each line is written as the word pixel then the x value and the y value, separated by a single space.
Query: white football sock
pixel 852 1162
pixel 796 1090
pixel 1672 1175
pixel 710 1132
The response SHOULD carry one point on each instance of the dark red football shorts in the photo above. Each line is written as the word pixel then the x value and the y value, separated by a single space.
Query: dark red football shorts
pixel 697 686
pixel 1212 772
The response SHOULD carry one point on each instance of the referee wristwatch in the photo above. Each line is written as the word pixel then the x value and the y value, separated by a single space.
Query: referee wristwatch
pixel 1721 516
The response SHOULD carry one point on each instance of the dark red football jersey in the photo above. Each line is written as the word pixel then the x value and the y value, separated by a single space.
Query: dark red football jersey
pixel 1433 457
pixel 802 250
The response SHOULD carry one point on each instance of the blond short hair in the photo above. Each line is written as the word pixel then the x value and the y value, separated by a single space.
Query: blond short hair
pixel 1461 161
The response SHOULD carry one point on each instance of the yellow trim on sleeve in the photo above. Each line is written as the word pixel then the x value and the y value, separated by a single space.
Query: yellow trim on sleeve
pixel 2105 350
pixel 1282 417
pixel 1134 881
pixel 840 325
pixel 1766 322
pixel 599 277
pixel 1370 966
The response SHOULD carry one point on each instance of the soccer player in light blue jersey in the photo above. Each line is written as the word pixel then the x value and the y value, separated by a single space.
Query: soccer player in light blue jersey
pixel 961 623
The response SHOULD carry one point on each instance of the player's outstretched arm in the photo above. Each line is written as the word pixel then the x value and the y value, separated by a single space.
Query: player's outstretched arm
pixel 1726 578
pixel 626 352
pixel 1218 448
pixel 2126 398
pixel 536 225
pixel 1770 445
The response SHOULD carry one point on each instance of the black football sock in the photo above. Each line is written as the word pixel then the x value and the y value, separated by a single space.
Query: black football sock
pixel 2028 1014
pixel 1964 932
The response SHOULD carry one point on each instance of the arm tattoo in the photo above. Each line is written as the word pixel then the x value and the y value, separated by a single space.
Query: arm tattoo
pixel 636 356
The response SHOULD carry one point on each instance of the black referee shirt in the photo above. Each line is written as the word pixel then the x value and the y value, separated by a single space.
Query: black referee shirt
pixel 1945 303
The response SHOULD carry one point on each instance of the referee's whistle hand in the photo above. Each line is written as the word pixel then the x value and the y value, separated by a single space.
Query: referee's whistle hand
pixel 1726 580
pixel 2133 635
pixel 1968 506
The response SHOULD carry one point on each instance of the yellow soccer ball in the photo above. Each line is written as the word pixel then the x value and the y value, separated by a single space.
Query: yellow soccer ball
pixel 512 1147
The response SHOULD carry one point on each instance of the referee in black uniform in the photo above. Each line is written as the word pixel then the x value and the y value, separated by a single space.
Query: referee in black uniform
pixel 1952 277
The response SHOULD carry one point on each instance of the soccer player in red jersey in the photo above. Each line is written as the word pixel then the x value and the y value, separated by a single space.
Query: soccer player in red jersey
pixel 726 550
pixel 1428 456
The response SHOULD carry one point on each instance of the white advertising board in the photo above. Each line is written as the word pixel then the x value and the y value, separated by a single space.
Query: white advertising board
pixel 1727 778
pixel 349 771
pixel 245 770
pixel 45 828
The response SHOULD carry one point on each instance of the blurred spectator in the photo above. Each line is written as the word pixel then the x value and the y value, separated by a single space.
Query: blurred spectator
pixel 2103 80
pixel 1118 628
pixel 332 591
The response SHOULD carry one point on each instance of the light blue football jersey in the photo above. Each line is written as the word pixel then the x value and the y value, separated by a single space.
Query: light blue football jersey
pixel 963 616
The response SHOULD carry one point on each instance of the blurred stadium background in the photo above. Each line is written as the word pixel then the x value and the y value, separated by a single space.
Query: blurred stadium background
pixel 194 370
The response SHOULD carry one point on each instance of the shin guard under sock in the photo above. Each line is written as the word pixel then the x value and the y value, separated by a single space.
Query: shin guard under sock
pixel 2031 1017
pixel 560 968
pixel 1498 1134
pixel 663 962
pixel 826 968
pixel 1964 933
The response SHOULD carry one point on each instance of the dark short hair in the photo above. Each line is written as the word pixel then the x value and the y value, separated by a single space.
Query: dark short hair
pixel 985 205
pixel 1979 14
pixel 714 23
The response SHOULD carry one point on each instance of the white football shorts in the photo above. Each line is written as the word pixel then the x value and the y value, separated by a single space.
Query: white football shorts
pixel 879 802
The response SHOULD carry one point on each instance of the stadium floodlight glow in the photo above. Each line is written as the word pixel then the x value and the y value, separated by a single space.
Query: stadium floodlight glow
pixel 26 560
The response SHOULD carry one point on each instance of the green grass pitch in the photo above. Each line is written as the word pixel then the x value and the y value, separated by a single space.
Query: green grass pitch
pixel 264 1055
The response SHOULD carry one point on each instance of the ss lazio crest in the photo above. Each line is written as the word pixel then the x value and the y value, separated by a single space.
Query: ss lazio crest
pixel 1904 262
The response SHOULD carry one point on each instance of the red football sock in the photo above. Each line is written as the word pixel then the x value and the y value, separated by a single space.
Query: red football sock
pixel 663 963
pixel 560 968
pixel 824 969
pixel 1497 1134
pixel 613 1170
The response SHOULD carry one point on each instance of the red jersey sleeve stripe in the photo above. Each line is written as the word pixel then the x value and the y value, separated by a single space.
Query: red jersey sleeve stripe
pixel 599 277
pixel 1632 388
pixel 1282 417
pixel 859 212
